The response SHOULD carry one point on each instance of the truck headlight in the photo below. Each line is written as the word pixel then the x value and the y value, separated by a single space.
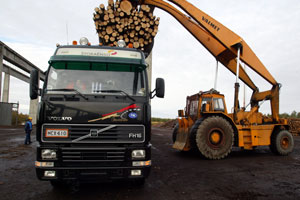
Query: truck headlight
pixel 138 154
pixel 48 154
pixel 49 173
pixel 136 172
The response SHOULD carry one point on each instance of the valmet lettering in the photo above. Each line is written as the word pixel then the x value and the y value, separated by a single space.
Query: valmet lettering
pixel 210 23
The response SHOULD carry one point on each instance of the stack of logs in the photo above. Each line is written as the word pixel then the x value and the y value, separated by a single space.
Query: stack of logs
pixel 295 126
pixel 136 25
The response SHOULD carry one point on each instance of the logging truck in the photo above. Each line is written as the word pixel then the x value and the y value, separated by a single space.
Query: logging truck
pixel 94 120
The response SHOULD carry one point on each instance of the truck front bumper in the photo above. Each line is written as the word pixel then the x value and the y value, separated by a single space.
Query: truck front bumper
pixel 93 164
pixel 92 174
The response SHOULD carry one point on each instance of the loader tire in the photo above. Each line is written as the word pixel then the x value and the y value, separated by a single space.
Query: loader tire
pixel 193 134
pixel 215 137
pixel 175 131
pixel 282 142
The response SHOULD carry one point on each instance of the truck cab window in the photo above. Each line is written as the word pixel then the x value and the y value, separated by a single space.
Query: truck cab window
pixel 129 79
pixel 193 107
pixel 218 104
pixel 204 102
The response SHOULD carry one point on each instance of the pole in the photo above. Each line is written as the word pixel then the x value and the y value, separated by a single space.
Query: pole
pixel 1 67
pixel 238 65
pixel 216 76
pixel 244 103
pixel 237 86
pixel 67 29
pixel 17 113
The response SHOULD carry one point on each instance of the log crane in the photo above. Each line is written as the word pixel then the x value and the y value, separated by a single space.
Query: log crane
pixel 205 124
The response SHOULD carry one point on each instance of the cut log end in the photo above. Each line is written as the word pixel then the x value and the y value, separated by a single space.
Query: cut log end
pixel 126 6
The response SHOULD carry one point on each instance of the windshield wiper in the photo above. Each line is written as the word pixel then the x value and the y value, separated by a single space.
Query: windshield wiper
pixel 69 90
pixel 116 91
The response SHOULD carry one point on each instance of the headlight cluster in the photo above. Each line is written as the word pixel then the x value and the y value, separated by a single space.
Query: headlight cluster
pixel 138 154
pixel 48 154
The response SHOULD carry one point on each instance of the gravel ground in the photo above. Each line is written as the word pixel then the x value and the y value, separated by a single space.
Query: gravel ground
pixel 175 175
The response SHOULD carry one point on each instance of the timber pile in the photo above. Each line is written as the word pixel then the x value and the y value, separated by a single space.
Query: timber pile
pixel 295 126
pixel 121 20
pixel 169 124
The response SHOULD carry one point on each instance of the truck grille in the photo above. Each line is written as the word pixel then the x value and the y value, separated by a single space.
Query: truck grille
pixel 104 133
pixel 72 156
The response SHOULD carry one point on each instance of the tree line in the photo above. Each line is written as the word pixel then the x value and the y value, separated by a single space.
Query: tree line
pixel 157 119
pixel 294 114
pixel 22 118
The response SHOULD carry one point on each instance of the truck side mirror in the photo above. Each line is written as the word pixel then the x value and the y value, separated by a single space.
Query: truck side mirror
pixel 34 84
pixel 159 88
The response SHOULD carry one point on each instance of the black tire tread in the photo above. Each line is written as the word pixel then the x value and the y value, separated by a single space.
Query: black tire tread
pixel 175 131
pixel 275 146
pixel 201 137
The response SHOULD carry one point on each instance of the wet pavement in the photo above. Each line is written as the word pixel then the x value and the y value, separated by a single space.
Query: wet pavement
pixel 175 175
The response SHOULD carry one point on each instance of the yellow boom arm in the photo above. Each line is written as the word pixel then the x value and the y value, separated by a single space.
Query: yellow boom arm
pixel 222 43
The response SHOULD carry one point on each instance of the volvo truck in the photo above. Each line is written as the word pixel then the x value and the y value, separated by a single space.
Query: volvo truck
pixel 94 116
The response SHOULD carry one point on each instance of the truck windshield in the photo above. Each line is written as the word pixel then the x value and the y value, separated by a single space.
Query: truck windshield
pixel 96 79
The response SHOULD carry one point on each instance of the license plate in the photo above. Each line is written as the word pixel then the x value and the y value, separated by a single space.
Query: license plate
pixel 58 133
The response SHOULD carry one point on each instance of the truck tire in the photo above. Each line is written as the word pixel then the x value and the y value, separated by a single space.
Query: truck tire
pixel 215 137
pixel 175 131
pixel 282 142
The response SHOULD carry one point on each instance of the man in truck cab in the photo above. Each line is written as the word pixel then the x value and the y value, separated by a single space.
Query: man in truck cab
pixel 78 85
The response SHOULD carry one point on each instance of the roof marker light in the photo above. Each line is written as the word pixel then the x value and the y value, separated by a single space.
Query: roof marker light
pixel 121 43
pixel 130 45
pixel 83 41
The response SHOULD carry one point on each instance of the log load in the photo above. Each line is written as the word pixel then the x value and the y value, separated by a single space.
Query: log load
pixel 294 125
pixel 120 20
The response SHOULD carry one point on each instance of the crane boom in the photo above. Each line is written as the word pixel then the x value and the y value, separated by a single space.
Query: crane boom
pixel 226 37
pixel 206 39
pixel 223 44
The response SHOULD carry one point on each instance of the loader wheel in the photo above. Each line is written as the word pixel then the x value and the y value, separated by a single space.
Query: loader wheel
pixel 215 137
pixel 193 134
pixel 282 143
pixel 175 131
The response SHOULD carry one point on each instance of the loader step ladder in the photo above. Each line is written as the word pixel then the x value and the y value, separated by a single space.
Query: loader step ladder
pixel 245 140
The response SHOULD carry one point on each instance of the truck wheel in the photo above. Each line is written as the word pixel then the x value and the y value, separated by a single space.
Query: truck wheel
pixel 175 131
pixel 214 137
pixel 282 143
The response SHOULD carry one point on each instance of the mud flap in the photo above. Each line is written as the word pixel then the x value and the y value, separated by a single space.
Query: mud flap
pixel 182 142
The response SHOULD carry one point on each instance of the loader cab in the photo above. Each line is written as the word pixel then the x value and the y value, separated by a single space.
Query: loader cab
pixel 211 102
pixel 204 102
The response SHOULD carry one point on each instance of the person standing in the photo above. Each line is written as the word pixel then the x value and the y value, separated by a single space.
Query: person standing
pixel 28 129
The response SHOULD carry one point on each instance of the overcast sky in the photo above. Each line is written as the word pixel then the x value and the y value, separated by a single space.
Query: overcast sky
pixel 270 27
